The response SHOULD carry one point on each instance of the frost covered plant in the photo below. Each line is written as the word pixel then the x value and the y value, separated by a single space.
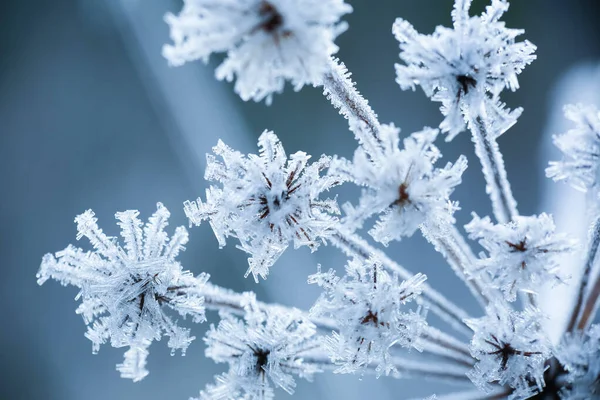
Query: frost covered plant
pixel 265 349
pixel 522 255
pixel 401 184
pixel 266 201
pixel 465 67
pixel 124 288
pixel 579 353
pixel 267 42
pixel 510 349
pixel 581 149
pixel 363 321
pixel 369 306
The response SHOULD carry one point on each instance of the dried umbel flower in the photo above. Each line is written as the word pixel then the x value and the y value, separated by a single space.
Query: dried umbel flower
pixel 267 42
pixel 581 149
pixel 401 184
pixel 369 306
pixel 522 255
pixel 465 67
pixel 266 201
pixel 264 350
pixel 124 289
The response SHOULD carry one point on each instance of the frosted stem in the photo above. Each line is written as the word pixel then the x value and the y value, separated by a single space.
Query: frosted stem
pixel 353 245
pixel 584 282
pixel 591 306
pixel 498 188
pixel 454 248
pixel 341 91
pixel 406 368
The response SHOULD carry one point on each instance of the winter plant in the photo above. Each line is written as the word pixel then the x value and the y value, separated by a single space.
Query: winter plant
pixel 372 311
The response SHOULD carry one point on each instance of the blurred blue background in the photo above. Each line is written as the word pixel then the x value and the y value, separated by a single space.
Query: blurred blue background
pixel 91 116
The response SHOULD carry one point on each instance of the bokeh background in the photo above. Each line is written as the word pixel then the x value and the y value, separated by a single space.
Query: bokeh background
pixel 91 116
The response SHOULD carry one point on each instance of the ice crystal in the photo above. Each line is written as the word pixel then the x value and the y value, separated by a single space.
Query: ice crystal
pixel 266 201
pixel 465 67
pixel 402 185
pixel 511 350
pixel 124 288
pixel 265 349
pixel 579 353
pixel 267 42
pixel 368 305
pixel 521 255
pixel 581 149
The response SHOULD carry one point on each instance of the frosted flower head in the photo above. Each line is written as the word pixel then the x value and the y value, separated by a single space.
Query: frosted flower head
pixel 369 307
pixel 266 42
pixel 402 185
pixel 580 146
pixel 265 349
pixel 579 354
pixel 266 201
pixel 523 254
pixel 124 287
pixel 510 349
pixel 465 67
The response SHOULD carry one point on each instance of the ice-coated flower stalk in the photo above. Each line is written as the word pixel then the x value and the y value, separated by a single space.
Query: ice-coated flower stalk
pixel 511 350
pixel 267 42
pixel 465 67
pixel 369 306
pixel 522 255
pixel 266 201
pixel 265 349
pixel 402 185
pixel 580 146
pixel 579 354
pixel 124 288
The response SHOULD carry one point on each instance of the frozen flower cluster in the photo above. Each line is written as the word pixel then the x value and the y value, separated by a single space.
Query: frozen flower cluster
pixel 401 184
pixel 124 289
pixel 266 201
pixel 510 349
pixel 263 350
pixel 521 255
pixel 267 42
pixel 465 67
pixel 369 306
pixel 581 149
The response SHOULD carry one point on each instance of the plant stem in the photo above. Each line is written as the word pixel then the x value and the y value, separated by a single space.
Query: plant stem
pixel 584 282
pixel 498 187
pixel 353 245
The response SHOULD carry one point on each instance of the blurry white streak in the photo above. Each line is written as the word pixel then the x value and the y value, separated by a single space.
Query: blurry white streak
pixel 193 107
pixel 581 84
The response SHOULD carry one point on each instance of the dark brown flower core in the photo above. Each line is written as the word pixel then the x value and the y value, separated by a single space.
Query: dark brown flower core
pixel 466 83
pixel 273 19
pixel 262 359
pixel 505 351
pixel 403 197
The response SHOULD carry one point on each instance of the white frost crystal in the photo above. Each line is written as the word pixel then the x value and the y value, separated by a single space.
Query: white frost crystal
pixel 265 349
pixel 511 349
pixel 465 67
pixel 521 255
pixel 581 149
pixel 579 353
pixel 403 185
pixel 124 288
pixel 267 42
pixel 266 201
pixel 369 306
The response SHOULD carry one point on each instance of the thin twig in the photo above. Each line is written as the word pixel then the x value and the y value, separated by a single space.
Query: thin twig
pixel 584 282
pixel 498 187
